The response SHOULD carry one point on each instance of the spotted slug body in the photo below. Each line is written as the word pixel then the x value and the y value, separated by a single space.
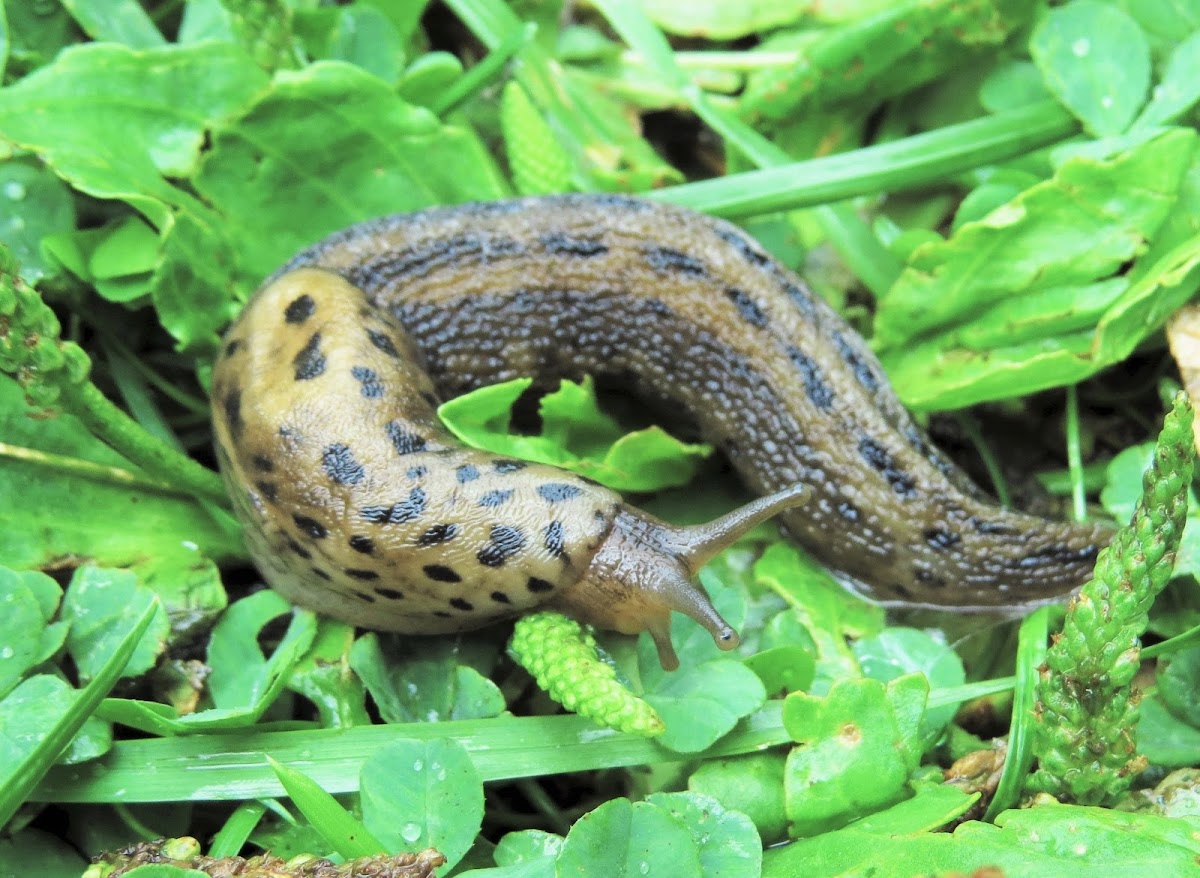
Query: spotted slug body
pixel 359 504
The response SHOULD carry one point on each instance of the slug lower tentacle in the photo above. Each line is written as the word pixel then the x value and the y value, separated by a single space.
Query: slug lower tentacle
pixel 359 504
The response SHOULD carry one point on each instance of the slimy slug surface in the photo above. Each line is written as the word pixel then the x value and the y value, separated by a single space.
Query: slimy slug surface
pixel 359 504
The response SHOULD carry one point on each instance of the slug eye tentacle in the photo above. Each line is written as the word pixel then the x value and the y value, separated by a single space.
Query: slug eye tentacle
pixel 646 568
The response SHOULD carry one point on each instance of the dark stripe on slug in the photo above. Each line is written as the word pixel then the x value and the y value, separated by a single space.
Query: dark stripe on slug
pixel 310 526
pixel 397 513
pixel 940 538
pixel 340 465
pixel 853 356
pixel 430 399
pixel 495 498
pixel 556 492
pixel 800 295
pixel 747 249
pixel 404 440
pixel 461 604
pixel 362 575
pixel 363 596
pixel 747 307
pixel 372 387
pixel 466 473
pixel 819 393
pixel 419 260
pixel 668 260
pixel 299 549
pixel 441 573
pixel 563 244
pixel 994 528
pixel 1059 553
pixel 365 545
pixel 383 342
pixel 504 542
pixel 310 362
pixel 322 574
pixel 882 462
pixel 438 534
pixel 300 309
pixel 392 594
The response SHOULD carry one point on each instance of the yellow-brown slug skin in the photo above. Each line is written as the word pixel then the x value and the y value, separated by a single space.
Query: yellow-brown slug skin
pixel 359 504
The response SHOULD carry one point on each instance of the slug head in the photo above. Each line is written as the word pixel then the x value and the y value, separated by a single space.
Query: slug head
pixel 645 568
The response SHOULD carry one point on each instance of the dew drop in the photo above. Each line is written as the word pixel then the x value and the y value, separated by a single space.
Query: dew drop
pixel 410 832
pixel 6 653
pixel 419 765
pixel 1081 47
pixel 1106 102
pixel 14 191
pixel 644 867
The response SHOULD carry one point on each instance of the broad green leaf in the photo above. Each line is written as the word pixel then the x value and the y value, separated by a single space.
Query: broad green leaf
pixel 750 784
pixel 933 806
pixel 726 840
pixel 1178 682
pixel 344 148
pixel 1096 61
pixel 324 677
pixel 421 794
pixel 101 606
pixel 21 625
pixel 1036 294
pixel 1180 87
pixel 35 204
pixel 623 839
pixel 722 21
pixel 576 435
pixel 1165 739
pixel 859 749
pixel 894 652
pixel 426 681
pixel 115 21
pixel 36 852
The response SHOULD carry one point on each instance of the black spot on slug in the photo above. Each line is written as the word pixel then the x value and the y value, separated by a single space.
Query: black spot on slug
pixel 300 309
pixel 233 347
pixel 430 399
pixel 233 411
pixel 500 597
pixel 322 574
pixel 438 534
pixel 441 573
pixel 539 586
pixel 392 594
pixel 848 511
pixel 310 362
pixel 564 244
pixel 556 492
pixel 508 466
pixel 819 393
pixel 372 387
pixel 363 575
pixel 310 526
pixel 671 261
pixel 262 463
pixel 495 498
pixel 460 604
pixel 940 538
pixel 404 440
pixel 415 472
pixel 383 342
pixel 993 528
pixel 441 614
pixel 504 542
pixel 882 462
pixel 340 465
pixel 268 489
pixel 747 307
pixel 398 513
pixel 929 578
pixel 364 596
pixel 747 249
pixel 555 539
pixel 466 473
pixel 365 545
pixel 1058 553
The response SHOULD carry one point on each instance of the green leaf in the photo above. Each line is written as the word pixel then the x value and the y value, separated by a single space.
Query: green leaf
pixel 1035 295
pixel 115 21
pixel 621 839
pixel 35 204
pixel 324 677
pixel 21 626
pixel 34 852
pixel 894 652
pixel 933 806
pixel 1179 89
pixel 421 794
pixel 860 748
pixel 1096 61
pixel 576 435
pixel 425 681
pixel 726 840
pixel 341 830
pixel 101 605
pixel 1165 739
pixel 722 21
pixel 750 784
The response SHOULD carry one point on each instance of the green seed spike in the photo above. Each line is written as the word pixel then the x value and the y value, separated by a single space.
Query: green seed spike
pixel 1087 712
pixel 537 160
pixel 561 655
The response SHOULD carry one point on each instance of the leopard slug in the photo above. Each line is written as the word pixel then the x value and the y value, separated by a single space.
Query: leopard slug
pixel 359 504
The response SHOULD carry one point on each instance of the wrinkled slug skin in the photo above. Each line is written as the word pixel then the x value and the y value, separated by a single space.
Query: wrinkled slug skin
pixel 357 503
